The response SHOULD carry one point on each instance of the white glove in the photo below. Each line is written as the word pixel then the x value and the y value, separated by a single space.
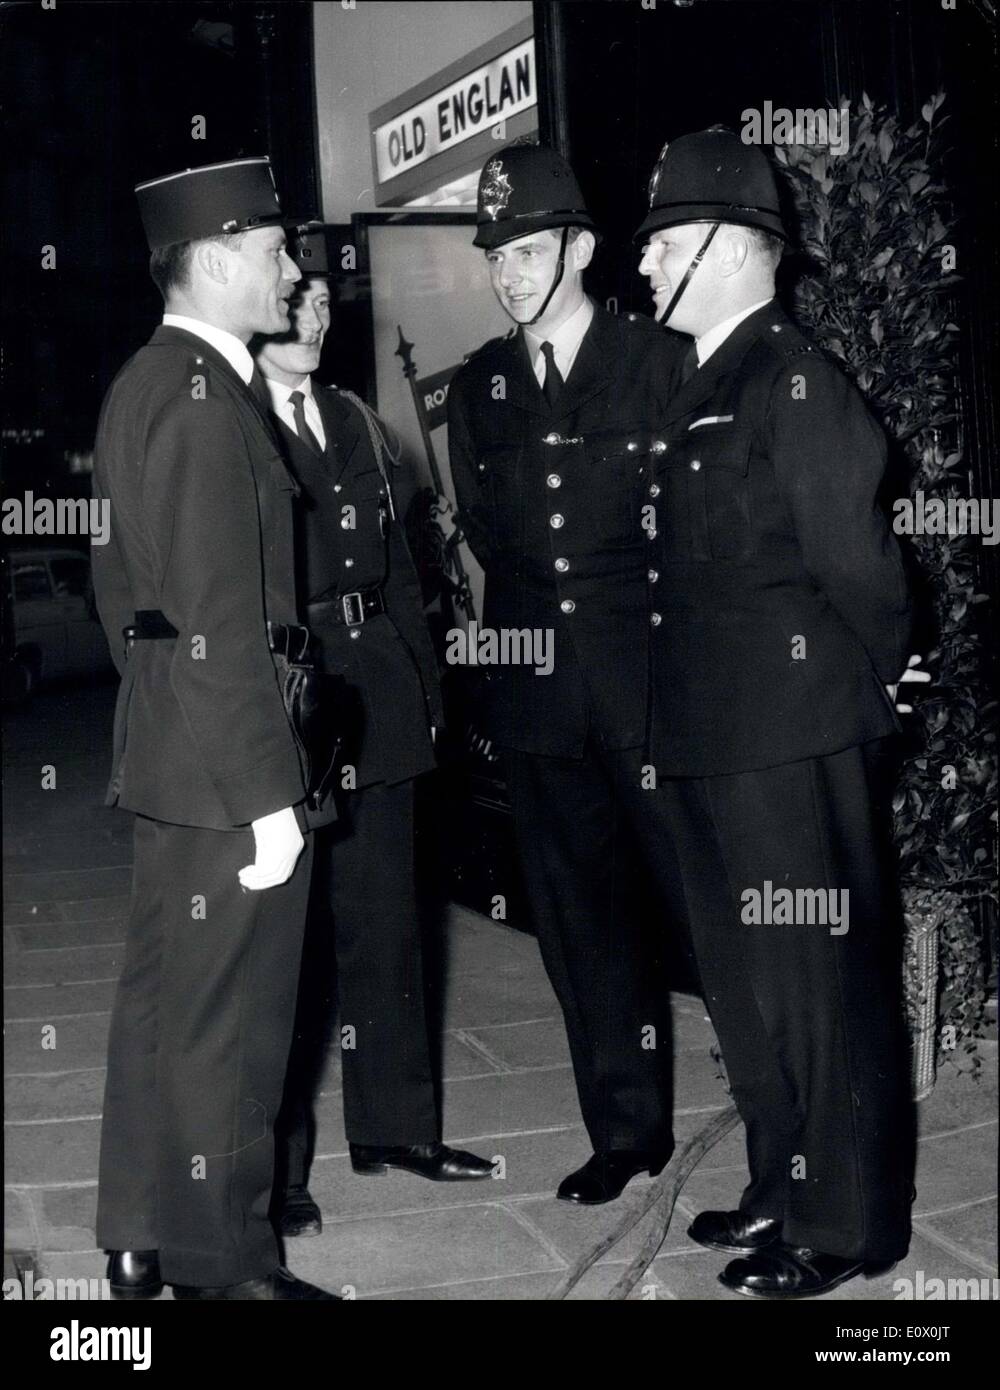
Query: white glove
pixel 910 674
pixel 278 843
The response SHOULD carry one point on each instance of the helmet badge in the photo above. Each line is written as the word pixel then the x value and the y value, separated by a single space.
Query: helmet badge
pixel 496 189
pixel 654 178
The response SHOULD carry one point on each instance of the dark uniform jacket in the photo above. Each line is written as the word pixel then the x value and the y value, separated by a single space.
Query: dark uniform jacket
pixel 783 603
pixel 201 529
pixel 389 667
pixel 551 501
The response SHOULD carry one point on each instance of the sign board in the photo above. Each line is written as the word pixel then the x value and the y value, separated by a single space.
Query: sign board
pixel 448 124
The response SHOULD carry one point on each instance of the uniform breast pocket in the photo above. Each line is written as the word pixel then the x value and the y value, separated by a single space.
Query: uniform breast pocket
pixel 500 480
pixel 708 503
pixel 621 487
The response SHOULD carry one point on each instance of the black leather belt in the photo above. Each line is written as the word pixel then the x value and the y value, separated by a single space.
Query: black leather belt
pixel 351 609
pixel 289 640
pixel 149 626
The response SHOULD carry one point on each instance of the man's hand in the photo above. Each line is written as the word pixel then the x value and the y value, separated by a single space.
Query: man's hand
pixel 278 843
pixel 910 674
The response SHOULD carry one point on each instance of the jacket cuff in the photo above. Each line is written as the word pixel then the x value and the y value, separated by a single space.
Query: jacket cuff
pixel 270 786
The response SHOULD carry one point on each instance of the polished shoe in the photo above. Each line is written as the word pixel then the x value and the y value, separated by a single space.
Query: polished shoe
pixel 605 1176
pixel 734 1232
pixel 134 1273
pixel 435 1161
pixel 279 1287
pixel 789 1271
pixel 299 1215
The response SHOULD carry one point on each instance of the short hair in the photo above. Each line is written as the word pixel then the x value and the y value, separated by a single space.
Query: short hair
pixel 769 247
pixel 170 266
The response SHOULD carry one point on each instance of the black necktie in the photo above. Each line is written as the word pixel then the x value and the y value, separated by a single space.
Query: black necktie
pixel 553 384
pixel 690 364
pixel 301 424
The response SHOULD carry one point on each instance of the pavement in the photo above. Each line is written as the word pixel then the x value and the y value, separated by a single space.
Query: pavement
pixel 507 1093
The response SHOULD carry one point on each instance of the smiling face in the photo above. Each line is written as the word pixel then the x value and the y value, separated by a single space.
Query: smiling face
pixel 296 354
pixel 260 280
pixel 522 272
pixel 665 260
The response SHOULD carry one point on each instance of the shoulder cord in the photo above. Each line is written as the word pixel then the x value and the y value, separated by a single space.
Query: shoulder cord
pixel 380 445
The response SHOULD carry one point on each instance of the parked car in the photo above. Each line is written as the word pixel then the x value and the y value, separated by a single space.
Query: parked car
pixel 51 627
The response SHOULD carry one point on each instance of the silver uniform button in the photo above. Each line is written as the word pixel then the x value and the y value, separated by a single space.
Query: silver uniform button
pixel 695 465
pixel 556 521
pixel 659 446
pixel 552 438
pixel 567 605
pixel 554 480
pixel 348 563
pixel 562 565
pixel 631 446
pixel 652 576
pixel 652 534
pixel 655 619
pixel 337 487
pixel 355 633
pixel 654 489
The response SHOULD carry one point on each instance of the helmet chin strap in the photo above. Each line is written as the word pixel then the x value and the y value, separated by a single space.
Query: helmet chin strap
pixel 664 318
pixel 557 279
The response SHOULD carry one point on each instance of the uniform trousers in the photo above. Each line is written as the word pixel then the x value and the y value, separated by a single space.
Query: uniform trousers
pixel 363 953
pixel 572 818
pixel 809 1020
pixel 200 1032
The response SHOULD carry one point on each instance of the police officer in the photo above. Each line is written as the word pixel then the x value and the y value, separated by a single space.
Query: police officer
pixel 197 575
pixel 361 597
pixel 551 444
pixel 785 616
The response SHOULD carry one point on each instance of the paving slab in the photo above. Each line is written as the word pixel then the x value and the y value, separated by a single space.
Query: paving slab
pixel 52 1002
pixel 69 1044
pixel 72 1095
pixel 380 1254
pixel 38 1155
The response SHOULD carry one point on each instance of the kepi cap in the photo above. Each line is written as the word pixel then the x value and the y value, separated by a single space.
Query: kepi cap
pixel 213 200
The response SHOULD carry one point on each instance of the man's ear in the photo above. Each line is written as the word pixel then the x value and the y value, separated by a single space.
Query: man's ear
pixel 213 260
pixel 583 250
pixel 734 251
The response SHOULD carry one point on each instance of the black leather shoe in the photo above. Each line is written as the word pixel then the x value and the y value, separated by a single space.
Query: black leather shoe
pixel 605 1176
pixel 788 1271
pixel 279 1287
pixel 134 1273
pixel 299 1215
pixel 435 1161
pixel 734 1232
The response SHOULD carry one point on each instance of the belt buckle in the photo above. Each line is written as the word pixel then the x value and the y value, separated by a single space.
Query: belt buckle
pixel 352 603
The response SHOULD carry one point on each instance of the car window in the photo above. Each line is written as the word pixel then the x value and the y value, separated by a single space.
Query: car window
pixel 70 575
pixel 31 580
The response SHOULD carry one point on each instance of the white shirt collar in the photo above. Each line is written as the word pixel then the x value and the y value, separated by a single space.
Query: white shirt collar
pixel 280 393
pixel 715 337
pixel 568 336
pixel 235 352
